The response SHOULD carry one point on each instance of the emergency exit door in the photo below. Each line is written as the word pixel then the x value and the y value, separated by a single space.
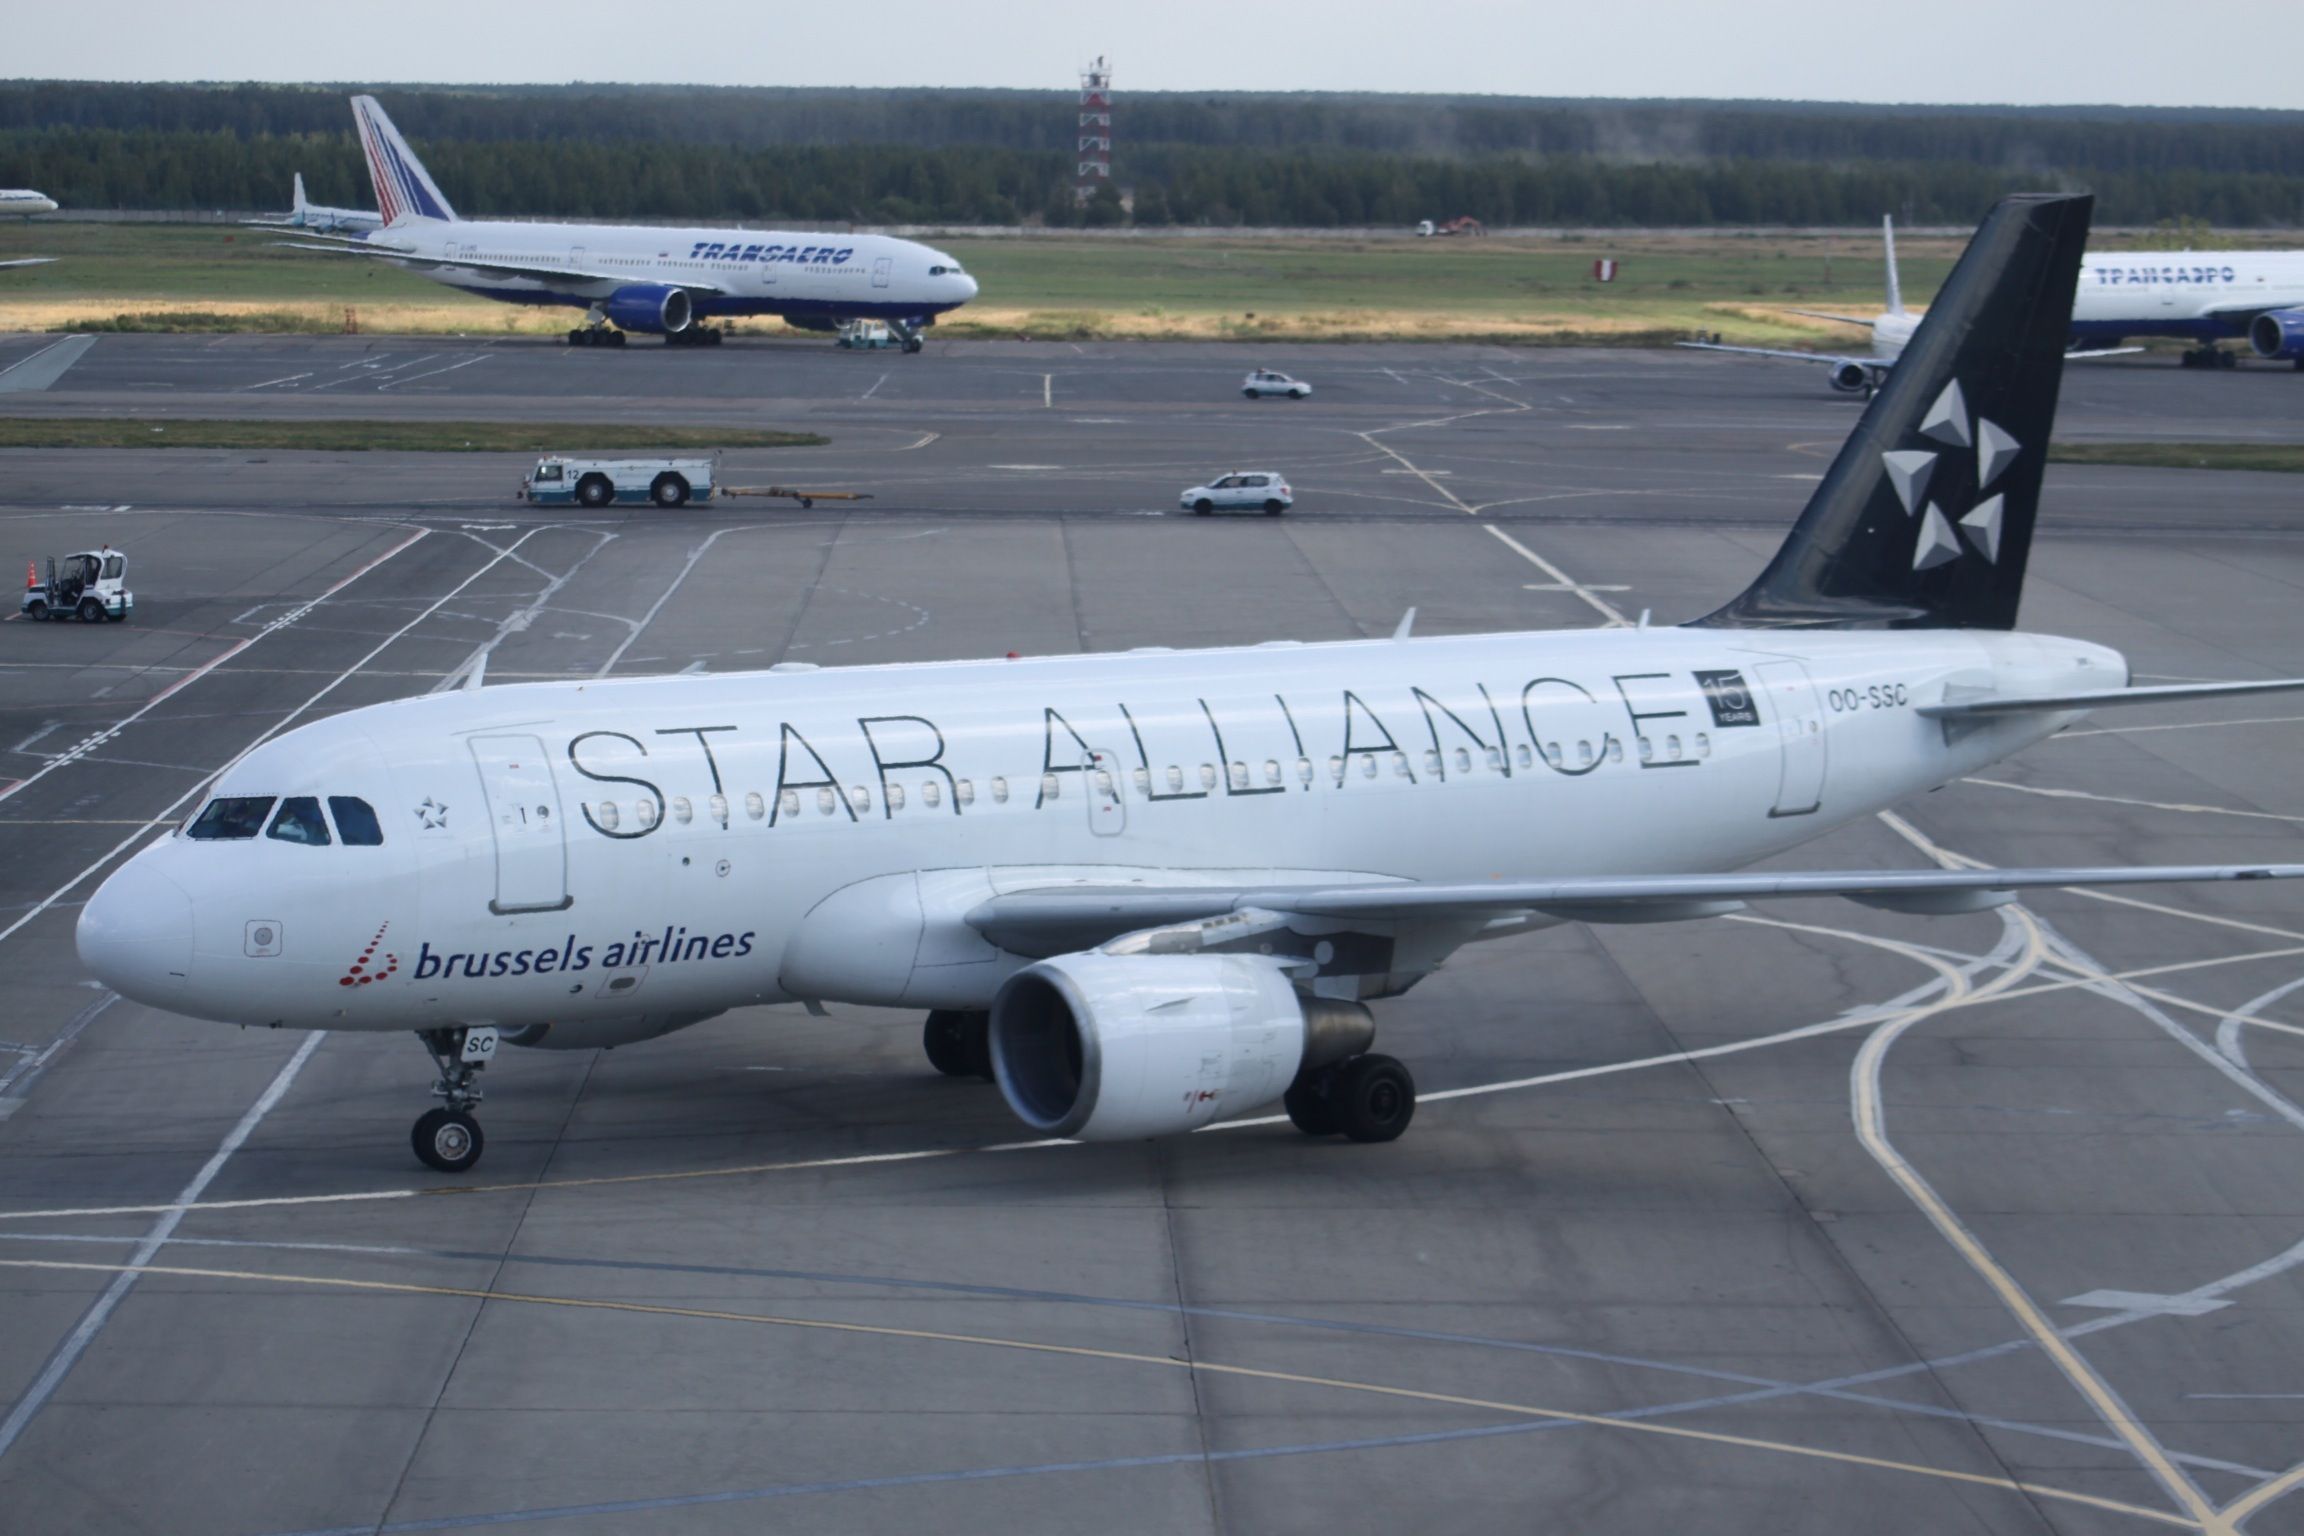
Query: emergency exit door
pixel 880 270
pixel 524 816
pixel 1790 699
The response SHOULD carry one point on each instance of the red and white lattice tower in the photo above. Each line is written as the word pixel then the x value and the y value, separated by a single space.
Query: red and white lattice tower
pixel 1095 158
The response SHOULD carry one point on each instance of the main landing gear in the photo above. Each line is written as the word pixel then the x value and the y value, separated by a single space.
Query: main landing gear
pixel 696 336
pixel 600 335
pixel 959 1044
pixel 446 1137
pixel 1363 1098
pixel 2210 356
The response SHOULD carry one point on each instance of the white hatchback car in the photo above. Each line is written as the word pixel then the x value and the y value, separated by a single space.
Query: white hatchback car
pixel 1246 490
pixel 1265 382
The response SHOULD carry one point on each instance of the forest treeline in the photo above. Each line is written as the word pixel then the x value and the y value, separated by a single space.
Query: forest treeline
pixel 1004 157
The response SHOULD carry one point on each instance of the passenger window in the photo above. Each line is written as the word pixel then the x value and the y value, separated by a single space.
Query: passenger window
pixel 1304 771
pixel 1615 750
pixel 1368 765
pixel 754 806
pixel 788 803
pixel 1175 778
pixel 682 811
pixel 299 822
pixel 1527 759
pixel 895 797
pixel 1647 750
pixel 1583 754
pixel 1237 780
pixel 605 816
pixel 1051 787
pixel 644 812
pixel 1703 744
pixel 356 824
pixel 965 792
pixel 1000 789
pixel 230 819
pixel 1400 765
pixel 1143 778
pixel 931 793
pixel 113 566
pixel 1271 771
pixel 1463 761
pixel 825 802
pixel 1552 754
pixel 1672 748
pixel 1207 775
pixel 859 799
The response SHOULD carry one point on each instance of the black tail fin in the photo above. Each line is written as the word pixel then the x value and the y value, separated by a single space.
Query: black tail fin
pixel 1925 519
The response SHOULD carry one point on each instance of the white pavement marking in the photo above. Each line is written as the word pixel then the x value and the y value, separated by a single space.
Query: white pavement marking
pixel 2149 805
pixel 1048 391
pixel 1562 580
pixel 43 367
pixel 168 813
pixel 2229 1027
pixel 83 748
pixel 429 372
pixel 875 389
pixel 2146 1302
pixel 92 1321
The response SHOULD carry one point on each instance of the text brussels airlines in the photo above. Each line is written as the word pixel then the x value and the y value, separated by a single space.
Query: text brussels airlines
pixel 673 946
pixel 806 255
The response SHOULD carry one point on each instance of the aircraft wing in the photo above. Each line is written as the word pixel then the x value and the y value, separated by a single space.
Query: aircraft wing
pixel 1817 314
pixel 2016 704
pixel 2100 352
pixel 347 245
pixel 28 261
pixel 1832 359
pixel 1052 919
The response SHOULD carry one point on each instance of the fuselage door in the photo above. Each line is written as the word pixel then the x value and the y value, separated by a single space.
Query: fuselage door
pixel 881 270
pixel 577 256
pixel 1101 772
pixel 1799 714
pixel 524 814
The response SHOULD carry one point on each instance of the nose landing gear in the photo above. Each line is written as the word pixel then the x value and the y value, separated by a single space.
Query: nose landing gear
pixel 447 1137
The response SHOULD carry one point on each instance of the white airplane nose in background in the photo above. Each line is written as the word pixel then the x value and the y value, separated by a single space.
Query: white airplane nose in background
pixel 136 934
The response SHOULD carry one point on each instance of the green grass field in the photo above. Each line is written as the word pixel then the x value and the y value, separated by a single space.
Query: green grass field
pixel 195 277
pixel 2281 457
pixel 382 436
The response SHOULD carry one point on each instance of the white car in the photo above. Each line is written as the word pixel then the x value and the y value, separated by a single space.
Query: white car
pixel 1265 382
pixel 1244 490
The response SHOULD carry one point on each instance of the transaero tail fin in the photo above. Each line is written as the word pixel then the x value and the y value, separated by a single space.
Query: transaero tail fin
pixel 404 189
pixel 1925 519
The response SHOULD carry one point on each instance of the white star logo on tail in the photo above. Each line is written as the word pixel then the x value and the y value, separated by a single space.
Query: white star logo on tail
pixel 1911 469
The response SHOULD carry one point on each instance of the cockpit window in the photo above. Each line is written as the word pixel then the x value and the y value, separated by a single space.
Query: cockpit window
pixel 356 821
pixel 234 816
pixel 299 821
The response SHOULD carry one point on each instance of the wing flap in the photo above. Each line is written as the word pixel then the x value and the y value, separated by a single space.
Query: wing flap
pixel 1833 359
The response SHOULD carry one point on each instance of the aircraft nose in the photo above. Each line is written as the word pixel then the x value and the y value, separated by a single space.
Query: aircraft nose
pixel 967 287
pixel 136 934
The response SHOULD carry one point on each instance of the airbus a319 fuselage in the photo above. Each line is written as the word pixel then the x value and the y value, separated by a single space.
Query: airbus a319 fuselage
pixel 553 854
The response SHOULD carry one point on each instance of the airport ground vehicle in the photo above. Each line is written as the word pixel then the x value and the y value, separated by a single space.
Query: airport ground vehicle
pixel 1241 490
pixel 90 585
pixel 872 335
pixel 557 480
pixel 1264 382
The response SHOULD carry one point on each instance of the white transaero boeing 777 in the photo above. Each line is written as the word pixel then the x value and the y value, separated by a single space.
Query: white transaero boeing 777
pixel 1142 891
pixel 670 282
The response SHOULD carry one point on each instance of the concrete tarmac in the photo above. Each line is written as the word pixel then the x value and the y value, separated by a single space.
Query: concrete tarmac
pixel 1811 1220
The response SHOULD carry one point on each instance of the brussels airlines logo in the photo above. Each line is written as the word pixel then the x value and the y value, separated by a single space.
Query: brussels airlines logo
pixel 1910 470
pixel 674 946
pixel 365 969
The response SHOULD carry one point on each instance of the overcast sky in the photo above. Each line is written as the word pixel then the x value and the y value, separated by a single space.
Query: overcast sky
pixel 2028 52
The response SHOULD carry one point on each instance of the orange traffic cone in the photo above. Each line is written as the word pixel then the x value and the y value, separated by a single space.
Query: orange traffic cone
pixel 31 575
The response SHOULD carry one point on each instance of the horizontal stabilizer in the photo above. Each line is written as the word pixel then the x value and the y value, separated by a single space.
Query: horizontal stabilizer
pixel 1817 314
pixel 1834 358
pixel 2017 704
pixel 1082 916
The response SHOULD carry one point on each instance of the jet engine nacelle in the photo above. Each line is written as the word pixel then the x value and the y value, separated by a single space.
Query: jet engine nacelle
pixel 601 1034
pixel 1110 1047
pixel 656 308
pixel 2277 333
pixel 1848 378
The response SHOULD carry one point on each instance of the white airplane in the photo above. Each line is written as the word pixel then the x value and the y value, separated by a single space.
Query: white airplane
pixel 634 277
pixel 1145 890
pixel 319 217
pixel 1890 329
pixel 22 202
pixel 2208 296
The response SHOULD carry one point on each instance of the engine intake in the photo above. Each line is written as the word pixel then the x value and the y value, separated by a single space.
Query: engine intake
pixel 655 308
pixel 2277 333
pixel 1108 1048
pixel 1850 377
